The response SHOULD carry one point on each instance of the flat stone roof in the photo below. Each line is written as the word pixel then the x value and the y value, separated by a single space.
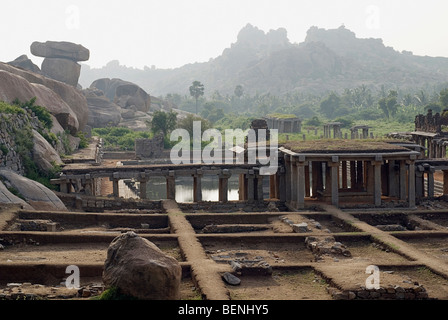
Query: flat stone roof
pixel 344 146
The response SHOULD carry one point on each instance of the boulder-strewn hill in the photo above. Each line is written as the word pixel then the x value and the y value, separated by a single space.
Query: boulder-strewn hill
pixel 268 62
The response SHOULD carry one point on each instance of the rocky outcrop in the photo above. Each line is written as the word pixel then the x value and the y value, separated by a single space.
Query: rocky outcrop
pixel 138 268
pixel 51 94
pixel 16 87
pixel 23 62
pixel 61 59
pixel 35 194
pixel 44 155
pixel 102 112
pixel 8 197
pixel 61 49
pixel 128 104
pixel 125 94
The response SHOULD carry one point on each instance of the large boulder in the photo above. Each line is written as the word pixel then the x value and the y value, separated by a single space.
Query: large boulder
pixel 24 62
pixel 60 49
pixel 16 87
pixel 35 194
pixel 125 94
pixel 138 268
pixel 63 70
pixel 73 98
pixel 102 112
pixel 8 197
pixel 44 155
pixel 61 59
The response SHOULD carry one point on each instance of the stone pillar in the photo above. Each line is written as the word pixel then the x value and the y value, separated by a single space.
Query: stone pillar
pixel 419 182
pixel 87 185
pixel 273 186
pixel 392 179
pixel 411 183
pixel 224 185
pixel 334 165
pixel 344 175
pixel 300 189
pixel 359 175
pixel 377 177
pixel 281 176
pixel 430 178
pixel 353 174
pixel 402 180
pixel 171 186
pixel 287 178
pixel 115 179
pixel 242 187
pixel 259 187
pixel 197 186
pixel 293 182
pixel 251 186
pixel 63 186
pixel 143 179
pixel 307 180
pixel 445 182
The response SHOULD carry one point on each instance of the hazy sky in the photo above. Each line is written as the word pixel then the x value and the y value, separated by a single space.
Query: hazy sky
pixel 171 33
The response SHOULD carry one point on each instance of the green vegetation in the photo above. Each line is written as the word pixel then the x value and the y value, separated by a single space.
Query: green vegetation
pixel 10 109
pixel 384 109
pixel 41 113
pixel 114 294
pixel 120 138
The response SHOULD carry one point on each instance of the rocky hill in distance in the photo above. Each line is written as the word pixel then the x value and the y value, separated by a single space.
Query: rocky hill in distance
pixel 332 59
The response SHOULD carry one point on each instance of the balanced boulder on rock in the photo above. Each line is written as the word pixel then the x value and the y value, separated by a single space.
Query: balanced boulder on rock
pixel 138 268
pixel 61 59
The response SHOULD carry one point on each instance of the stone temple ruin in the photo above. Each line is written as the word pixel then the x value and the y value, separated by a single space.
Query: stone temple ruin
pixel 319 227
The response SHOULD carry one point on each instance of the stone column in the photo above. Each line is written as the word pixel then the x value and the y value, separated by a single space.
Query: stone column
pixel 377 183
pixel 250 186
pixel 344 175
pixel 197 186
pixel 300 189
pixel 445 182
pixel 293 182
pixel 63 186
pixel 430 178
pixel 419 182
pixel 402 179
pixel 242 187
pixel 259 188
pixel 307 180
pixel 353 174
pixel 143 179
pixel 115 179
pixel 224 185
pixel 334 164
pixel 87 185
pixel 171 186
pixel 411 183
pixel 281 176
pixel 287 178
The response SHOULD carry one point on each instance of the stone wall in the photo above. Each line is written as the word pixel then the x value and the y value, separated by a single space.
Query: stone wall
pixel 149 148
pixel 9 123
pixel 429 123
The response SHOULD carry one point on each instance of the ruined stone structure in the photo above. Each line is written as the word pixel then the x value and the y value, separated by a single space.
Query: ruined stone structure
pixel 360 175
pixel 284 125
pixel 149 148
pixel 336 127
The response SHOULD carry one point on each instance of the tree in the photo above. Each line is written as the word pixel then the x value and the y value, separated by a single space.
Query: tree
pixel 164 122
pixel 239 91
pixel 330 104
pixel 389 104
pixel 443 98
pixel 196 91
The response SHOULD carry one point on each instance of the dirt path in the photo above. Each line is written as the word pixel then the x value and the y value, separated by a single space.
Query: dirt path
pixel 205 271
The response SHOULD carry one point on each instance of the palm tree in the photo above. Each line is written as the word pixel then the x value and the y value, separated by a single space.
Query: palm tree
pixel 196 90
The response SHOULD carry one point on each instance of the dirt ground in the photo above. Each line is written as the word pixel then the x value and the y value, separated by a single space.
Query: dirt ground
pixel 298 273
